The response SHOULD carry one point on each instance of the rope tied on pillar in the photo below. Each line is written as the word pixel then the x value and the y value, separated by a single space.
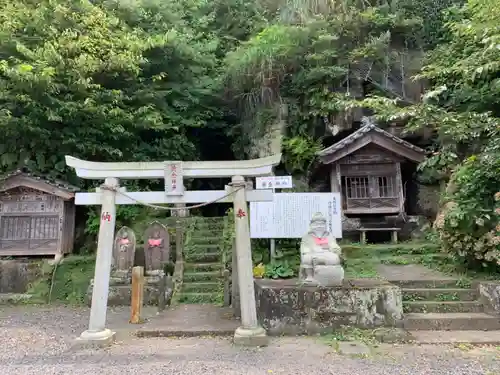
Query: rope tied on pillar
pixel 156 207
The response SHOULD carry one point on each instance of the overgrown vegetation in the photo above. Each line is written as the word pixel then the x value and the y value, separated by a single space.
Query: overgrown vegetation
pixel 67 283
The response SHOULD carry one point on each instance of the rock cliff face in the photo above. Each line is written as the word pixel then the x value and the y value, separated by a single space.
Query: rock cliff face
pixel 286 307
pixel 490 296
pixel 270 142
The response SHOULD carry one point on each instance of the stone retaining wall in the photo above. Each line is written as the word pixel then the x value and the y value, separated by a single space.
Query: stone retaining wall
pixel 17 275
pixel 286 307
pixel 120 290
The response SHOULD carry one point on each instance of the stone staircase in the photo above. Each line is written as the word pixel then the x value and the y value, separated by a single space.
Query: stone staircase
pixel 447 305
pixel 203 268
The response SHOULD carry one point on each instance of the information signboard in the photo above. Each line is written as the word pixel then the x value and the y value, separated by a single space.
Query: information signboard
pixel 289 215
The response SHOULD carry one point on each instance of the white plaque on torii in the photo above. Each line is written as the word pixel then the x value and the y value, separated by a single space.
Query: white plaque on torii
pixel 174 185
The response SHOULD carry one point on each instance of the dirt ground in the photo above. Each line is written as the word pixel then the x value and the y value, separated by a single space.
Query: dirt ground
pixel 40 341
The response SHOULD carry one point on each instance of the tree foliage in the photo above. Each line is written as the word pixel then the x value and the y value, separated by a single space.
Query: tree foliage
pixel 102 81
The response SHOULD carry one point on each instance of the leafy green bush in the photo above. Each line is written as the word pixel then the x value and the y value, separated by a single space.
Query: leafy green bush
pixel 469 227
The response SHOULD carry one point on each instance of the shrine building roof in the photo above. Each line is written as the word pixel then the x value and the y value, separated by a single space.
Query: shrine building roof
pixel 371 134
pixel 26 178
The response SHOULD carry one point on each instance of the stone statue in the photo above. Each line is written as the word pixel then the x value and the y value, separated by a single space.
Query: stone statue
pixel 124 249
pixel 156 247
pixel 320 255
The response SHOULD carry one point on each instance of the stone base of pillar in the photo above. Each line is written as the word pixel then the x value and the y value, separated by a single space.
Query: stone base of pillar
pixel 251 337
pixel 91 339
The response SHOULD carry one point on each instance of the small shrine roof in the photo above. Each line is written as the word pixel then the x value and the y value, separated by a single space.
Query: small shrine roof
pixel 370 133
pixel 47 184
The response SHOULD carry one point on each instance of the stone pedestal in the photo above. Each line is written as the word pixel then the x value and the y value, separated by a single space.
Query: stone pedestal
pixel 90 339
pixel 120 288
pixel 289 307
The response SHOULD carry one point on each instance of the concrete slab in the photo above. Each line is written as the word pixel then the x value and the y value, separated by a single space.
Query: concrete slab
pixel 191 320
pixel 456 337
pixel 451 322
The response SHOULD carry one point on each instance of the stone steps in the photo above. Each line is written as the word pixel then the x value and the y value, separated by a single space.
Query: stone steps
pixel 203 257
pixel 199 297
pixel 429 284
pixel 196 248
pixel 206 238
pixel 200 276
pixel 205 286
pixel 202 263
pixel 439 294
pixel 442 307
pixel 470 337
pixel 203 267
pixel 210 228
pixel 451 322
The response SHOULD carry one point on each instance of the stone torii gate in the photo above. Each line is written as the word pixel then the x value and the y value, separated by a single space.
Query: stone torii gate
pixel 110 194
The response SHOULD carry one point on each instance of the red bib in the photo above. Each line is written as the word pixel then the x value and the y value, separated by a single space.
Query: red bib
pixel 155 242
pixel 321 241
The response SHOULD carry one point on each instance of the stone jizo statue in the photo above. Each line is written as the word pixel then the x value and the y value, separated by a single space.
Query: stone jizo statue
pixel 320 255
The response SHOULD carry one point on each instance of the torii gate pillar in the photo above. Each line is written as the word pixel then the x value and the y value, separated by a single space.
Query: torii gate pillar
pixel 249 333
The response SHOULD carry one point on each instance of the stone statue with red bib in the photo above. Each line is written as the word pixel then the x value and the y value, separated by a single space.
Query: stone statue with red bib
pixel 320 256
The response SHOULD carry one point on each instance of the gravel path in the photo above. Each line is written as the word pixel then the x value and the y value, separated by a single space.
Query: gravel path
pixel 38 341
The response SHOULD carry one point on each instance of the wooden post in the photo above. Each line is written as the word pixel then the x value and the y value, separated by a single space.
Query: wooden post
pixel 363 237
pixel 394 236
pixel 137 294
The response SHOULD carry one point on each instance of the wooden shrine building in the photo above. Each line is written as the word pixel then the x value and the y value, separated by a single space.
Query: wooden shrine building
pixel 37 215
pixel 365 167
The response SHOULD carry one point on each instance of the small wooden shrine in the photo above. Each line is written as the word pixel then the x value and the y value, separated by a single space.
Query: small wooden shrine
pixel 366 170
pixel 37 215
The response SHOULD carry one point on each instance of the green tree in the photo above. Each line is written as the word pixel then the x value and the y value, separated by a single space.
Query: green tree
pixel 101 81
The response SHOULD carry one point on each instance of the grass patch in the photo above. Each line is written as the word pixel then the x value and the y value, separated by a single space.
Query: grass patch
pixel 360 268
pixel 351 334
pixel 71 280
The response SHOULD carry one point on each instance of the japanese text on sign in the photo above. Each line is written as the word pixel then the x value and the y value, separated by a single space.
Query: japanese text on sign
pixel 289 215
pixel 174 184
pixel 274 182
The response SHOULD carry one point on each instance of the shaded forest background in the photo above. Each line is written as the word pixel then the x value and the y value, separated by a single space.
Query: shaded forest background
pixel 139 80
